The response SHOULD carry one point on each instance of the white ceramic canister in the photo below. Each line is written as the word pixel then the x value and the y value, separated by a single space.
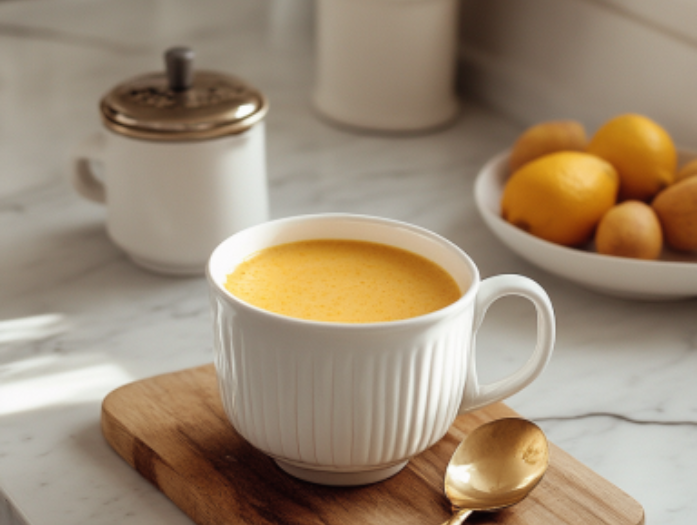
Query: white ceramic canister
pixel 387 65
pixel 182 162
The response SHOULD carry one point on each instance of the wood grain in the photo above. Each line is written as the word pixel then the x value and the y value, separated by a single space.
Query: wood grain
pixel 172 429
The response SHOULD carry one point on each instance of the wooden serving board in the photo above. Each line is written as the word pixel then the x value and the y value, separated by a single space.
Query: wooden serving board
pixel 172 429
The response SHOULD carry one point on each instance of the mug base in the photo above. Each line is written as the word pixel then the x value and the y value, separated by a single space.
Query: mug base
pixel 341 479
pixel 173 270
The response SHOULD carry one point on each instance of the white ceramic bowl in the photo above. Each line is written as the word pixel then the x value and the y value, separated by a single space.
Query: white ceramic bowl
pixel 673 276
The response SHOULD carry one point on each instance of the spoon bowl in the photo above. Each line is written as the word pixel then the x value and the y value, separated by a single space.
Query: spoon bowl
pixel 496 466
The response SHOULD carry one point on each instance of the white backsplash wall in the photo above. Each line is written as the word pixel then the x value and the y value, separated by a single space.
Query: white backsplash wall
pixel 584 59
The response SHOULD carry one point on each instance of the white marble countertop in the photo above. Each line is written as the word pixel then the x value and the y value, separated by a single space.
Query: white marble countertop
pixel 78 319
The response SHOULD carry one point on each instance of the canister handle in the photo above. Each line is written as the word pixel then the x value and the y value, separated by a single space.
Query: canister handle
pixel 90 151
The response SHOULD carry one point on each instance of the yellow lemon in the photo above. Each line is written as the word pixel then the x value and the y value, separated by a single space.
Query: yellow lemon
pixel 677 209
pixel 641 151
pixel 560 197
pixel 630 229
pixel 547 137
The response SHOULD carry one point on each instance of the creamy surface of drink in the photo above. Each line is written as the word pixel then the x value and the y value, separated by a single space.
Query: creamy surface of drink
pixel 342 281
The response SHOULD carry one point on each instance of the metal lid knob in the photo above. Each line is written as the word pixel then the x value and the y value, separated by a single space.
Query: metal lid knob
pixel 179 62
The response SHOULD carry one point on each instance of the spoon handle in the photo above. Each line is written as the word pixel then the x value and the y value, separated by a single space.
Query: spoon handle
pixel 459 517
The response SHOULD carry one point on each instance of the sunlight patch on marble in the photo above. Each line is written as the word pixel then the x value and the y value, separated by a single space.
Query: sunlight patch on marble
pixel 27 392
pixel 32 328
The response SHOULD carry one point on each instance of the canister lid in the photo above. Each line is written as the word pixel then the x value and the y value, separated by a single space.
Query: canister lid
pixel 182 104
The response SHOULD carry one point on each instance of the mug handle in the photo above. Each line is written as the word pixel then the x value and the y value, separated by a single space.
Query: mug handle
pixel 85 182
pixel 477 396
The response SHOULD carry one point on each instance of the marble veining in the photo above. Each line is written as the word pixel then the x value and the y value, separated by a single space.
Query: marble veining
pixel 78 319
pixel 620 417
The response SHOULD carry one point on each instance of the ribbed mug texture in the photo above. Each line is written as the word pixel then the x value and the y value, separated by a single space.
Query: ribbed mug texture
pixel 340 397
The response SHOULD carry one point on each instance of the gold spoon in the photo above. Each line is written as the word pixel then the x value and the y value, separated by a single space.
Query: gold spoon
pixel 496 466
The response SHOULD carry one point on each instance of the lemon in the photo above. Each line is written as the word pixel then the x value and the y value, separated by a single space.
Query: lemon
pixel 677 209
pixel 630 229
pixel 547 137
pixel 560 197
pixel 641 151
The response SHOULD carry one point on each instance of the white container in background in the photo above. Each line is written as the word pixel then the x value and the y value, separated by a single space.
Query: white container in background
pixel 387 65
pixel 182 164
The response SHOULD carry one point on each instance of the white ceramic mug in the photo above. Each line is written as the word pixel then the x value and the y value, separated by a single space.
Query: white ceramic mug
pixel 169 204
pixel 387 65
pixel 350 404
